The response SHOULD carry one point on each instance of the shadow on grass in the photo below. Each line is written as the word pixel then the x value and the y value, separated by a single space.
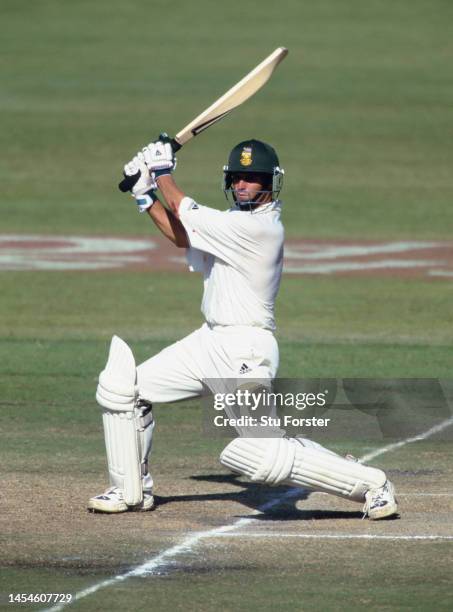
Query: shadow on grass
pixel 256 497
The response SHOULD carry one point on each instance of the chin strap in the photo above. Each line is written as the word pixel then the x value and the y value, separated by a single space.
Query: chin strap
pixel 249 204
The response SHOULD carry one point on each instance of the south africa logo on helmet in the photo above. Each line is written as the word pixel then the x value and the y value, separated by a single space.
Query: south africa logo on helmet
pixel 246 157
pixel 252 156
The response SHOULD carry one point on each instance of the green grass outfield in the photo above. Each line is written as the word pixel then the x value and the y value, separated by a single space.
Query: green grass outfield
pixel 360 113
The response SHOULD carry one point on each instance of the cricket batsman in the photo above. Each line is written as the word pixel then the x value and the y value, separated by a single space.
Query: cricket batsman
pixel 240 254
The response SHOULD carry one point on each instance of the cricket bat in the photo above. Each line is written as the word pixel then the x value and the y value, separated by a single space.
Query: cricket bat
pixel 234 97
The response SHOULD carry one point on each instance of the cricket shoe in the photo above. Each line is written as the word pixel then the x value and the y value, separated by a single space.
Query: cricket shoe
pixel 112 501
pixel 380 503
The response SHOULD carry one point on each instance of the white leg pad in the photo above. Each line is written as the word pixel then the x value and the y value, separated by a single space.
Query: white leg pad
pixel 116 389
pixel 127 427
pixel 267 460
pixel 122 454
pixel 276 461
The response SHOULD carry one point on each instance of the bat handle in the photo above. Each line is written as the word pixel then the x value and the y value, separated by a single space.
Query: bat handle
pixel 175 145
pixel 129 181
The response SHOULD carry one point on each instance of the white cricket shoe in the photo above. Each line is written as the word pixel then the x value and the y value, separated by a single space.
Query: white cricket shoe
pixel 112 501
pixel 380 503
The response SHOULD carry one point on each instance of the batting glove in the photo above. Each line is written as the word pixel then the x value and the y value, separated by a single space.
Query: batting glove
pixel 159 158
pixel 143 190
pixel 145 200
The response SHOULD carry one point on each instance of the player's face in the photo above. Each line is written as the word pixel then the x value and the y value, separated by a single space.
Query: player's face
pixel 247 187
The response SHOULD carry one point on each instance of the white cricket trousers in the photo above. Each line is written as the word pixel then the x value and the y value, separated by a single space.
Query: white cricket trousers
pixel 190 367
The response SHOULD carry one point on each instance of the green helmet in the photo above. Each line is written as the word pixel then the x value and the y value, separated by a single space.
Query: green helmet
pixel 257 157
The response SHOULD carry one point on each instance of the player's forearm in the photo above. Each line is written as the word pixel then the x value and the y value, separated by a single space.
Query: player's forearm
pixel 171 192
pixel 170 226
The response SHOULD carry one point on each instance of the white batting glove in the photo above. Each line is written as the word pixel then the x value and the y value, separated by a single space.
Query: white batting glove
pixel 146 181
pixel 143 190
pixel 159 158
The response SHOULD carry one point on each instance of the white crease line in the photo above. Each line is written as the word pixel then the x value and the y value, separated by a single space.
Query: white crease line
pixel 189 543
pixel 425 494
pixel 314 493
pixel 423 436
pixel 328 536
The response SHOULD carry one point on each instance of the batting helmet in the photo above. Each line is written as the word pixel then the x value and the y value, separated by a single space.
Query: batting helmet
pixel 257 157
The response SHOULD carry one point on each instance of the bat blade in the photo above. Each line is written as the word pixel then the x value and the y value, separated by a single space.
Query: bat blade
pixel 234 97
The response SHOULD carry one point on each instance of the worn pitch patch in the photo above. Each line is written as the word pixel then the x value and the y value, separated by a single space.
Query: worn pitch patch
pixel 403 259
pixel 238 529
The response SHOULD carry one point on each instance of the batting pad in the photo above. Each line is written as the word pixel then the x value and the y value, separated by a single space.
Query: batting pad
pixel 116 393
pixel 276 461
pixel 116 389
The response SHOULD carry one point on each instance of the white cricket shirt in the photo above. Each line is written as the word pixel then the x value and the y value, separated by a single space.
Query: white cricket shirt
pixel 241 256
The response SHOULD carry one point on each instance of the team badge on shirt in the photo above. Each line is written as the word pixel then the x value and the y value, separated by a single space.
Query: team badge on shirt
pixel 246 156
